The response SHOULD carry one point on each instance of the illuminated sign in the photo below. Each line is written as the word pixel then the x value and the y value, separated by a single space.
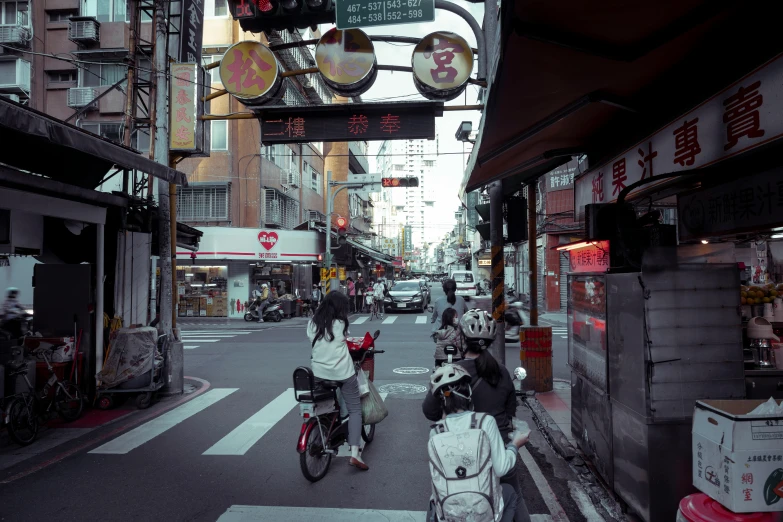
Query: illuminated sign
pixel 250 72
pixel 346 61
pixel 593 257
pixel 442 64
pixel 400 182
pixel 349 122
pixel 484 262
pixel 368 13
pixel 183 109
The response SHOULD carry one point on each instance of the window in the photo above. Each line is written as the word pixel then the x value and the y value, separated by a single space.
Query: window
pixel 214 73
pixel 14 13
pixel 140 140
pixel 95 75
pixel 215 8
pixel 110 131
pixel 279 209
pixel 63 76
pixel 61 16
pixel 315 178
pixel 106 10
pixel 219 137
pixel 202 203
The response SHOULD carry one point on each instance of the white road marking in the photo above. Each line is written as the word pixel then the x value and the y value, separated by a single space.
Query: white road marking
pixel 297 514
pixel 564 337
pixel 555 509
pixel 582 500
pixel 203 340
pixel 360 320
pixel 149 430
pixel 242 438
pixel 243 332
pixel 421 319
pixel 390 319
pixel 208 335
pixel 190 346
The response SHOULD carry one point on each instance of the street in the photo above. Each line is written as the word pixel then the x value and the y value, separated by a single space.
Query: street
pixel 229 453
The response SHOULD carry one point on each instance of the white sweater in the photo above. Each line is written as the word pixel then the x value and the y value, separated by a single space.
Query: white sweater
pixel 330 359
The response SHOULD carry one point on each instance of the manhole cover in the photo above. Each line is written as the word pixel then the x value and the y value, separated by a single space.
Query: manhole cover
pixel 559 385
pixel 402 388
pixel 409 370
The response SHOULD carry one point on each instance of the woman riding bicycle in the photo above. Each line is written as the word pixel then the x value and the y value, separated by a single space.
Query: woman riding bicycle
pixel 452 300
pixel 330 360
pixel 492 386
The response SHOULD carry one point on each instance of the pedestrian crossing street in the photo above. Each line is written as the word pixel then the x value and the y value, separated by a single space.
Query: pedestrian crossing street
pixel 394 319
pixel 238 441
pixel 195 338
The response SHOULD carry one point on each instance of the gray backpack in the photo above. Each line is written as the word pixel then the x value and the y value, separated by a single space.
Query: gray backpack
pixel 464 484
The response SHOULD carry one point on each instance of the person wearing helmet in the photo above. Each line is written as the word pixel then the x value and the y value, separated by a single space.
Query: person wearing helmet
pixel 452 300
pixel 261 296
pixel 492 384
pixel 450 386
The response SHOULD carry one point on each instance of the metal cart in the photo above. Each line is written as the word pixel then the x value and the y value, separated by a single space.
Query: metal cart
pixel 105 396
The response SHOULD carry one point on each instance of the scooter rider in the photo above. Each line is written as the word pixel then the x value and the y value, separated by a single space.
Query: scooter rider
pixel 262 300
pixel 12 313
pixel 492 386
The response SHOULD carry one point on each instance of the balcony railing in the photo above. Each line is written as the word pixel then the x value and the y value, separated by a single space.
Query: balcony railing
pixel 81 96
pixel 20 35
pixel 84 29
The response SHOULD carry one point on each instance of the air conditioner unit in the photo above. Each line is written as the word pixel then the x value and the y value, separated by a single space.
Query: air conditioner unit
pixel 292 178
pixel 12 97
pixel 15 76
pixel 84 29
pixel 81 96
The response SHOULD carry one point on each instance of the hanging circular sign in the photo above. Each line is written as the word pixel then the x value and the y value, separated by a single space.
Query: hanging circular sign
pixel 442 64
pixel 251 73
pixel 346 61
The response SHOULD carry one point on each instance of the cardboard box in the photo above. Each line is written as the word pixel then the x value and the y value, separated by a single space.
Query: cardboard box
pixel 210 310
pixel 738 458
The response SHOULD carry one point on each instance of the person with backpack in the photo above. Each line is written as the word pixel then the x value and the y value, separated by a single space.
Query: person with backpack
pixel 491 384
pixel 452 300
pixel 467 456
pixel 448 335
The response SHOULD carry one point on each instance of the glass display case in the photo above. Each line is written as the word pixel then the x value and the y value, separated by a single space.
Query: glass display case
pixel 587 328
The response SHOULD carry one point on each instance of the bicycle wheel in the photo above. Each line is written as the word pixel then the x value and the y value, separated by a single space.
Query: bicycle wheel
pixel 315 460
pixel 368 433
pixel 21 421
pixel 68 401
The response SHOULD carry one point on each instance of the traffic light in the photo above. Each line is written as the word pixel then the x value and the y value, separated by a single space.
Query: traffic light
pixel 342 230
pixel 400 182
pixel 274 15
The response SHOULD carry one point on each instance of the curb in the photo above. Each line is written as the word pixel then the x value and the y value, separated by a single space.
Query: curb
pixel 552 431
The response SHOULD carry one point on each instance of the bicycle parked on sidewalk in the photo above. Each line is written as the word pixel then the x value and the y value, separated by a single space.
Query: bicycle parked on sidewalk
pixel 23 410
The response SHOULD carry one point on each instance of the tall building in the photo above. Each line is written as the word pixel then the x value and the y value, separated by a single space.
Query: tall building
pixel 413 207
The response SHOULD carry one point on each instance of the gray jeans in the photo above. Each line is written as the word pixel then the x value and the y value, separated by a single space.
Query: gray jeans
pixel 349 392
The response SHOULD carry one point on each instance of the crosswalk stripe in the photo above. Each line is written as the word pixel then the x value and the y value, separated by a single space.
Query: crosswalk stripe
pixel 208 335
pixel 297 514
pixel 360 320
pixel 390 319
pixel 149 430
pixel 421 319
pixel 203 340
pixel 190 346
pixel 218 332
pixel 242 438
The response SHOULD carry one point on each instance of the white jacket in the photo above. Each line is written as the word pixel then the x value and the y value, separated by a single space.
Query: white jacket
pixel 330 359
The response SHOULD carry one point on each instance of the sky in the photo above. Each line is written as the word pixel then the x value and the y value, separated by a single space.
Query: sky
pixel 398 86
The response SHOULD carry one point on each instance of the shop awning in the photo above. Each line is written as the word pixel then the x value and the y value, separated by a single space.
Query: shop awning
pixel 38 143
pixel 188 237
pixel 369 252
pixel 590 78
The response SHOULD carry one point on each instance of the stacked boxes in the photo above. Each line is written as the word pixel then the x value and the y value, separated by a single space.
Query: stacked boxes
pixel 536 357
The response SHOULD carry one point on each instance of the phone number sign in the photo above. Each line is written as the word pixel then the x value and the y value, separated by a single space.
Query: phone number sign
pixel 367 13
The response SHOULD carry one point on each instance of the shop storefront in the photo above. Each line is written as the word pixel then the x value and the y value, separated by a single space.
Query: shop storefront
pixel 217 281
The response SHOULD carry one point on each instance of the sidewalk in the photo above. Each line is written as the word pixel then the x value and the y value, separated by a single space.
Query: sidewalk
pixel 238 324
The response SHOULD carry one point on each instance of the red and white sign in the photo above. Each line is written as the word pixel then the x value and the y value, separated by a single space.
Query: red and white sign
pixel 252 244
pixel 593 257
pixel 743 116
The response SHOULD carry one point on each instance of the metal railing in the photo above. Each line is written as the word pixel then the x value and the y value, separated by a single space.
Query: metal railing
pixel 84 30
pixel 81 96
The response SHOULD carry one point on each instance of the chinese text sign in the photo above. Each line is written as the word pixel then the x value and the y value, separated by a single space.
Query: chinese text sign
pixel 183 117
pixel 590 258
pixel 368 13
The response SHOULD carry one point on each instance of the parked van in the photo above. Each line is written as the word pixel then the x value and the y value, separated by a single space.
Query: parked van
pixel 466 282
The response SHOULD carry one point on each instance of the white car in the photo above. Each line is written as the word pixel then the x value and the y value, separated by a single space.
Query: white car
pixel 466 282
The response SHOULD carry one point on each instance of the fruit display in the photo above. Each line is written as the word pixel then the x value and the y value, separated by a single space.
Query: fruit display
pixel 756 295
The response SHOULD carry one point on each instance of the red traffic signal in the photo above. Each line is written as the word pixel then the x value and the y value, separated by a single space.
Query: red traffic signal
pixel 341 222
pixel 400 182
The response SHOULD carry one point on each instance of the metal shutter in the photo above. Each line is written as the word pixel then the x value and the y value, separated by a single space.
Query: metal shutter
pixel 540 276
pixel 565 266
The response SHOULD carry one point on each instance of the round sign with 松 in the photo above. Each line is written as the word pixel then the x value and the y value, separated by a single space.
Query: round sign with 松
pixel 442 63
pixel 346 61
pixel 251 73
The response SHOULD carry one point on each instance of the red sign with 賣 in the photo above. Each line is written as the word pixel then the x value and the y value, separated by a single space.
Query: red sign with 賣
pixel 593 257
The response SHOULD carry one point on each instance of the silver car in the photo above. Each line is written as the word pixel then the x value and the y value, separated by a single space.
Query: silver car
pixel 407 295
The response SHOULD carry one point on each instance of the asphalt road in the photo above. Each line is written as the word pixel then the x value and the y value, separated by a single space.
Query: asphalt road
pixel 229 453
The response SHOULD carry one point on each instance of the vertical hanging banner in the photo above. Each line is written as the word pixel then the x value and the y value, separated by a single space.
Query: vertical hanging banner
pixel 191 31
pixel 183 107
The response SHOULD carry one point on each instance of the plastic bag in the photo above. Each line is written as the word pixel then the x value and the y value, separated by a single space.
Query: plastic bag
pixel 373 408
pixel 364 388
pixel 770 407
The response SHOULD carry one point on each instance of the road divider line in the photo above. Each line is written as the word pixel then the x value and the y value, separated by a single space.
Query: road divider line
pixel 555 509
pixel 421 319
pixel 244 436
pixel 204 340
pixel 360 320
pixel 207 335
pixel 149 430
pixel 390 319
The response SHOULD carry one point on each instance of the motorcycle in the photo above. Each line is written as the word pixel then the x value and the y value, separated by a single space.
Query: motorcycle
pixel 325 429
pixel 16 327
pixel 480 290
pixel 513 321
pixel 273 312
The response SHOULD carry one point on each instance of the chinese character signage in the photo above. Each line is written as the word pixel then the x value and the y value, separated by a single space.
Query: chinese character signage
pixel 408 238
pixel 183 107
pixel 562 177
pixel 368 13
pixel 191 31
pixel 472 201
pixel 749 203
pixel 590 258
pixel 250 72
pixel 742 117
pixel 349 122
pixel 346 61
pixel 442 64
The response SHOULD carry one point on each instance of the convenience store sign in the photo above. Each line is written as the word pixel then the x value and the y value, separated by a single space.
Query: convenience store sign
pixel 593 257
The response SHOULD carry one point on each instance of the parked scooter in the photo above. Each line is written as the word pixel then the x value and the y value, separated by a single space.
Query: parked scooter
pixel 513 321
pixel 273 312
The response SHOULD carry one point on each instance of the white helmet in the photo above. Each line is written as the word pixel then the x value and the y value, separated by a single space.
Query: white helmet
pixel 479 326
pixel 264 285
pixel 448 376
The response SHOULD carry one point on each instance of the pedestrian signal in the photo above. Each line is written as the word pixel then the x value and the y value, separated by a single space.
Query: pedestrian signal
pixel 400 182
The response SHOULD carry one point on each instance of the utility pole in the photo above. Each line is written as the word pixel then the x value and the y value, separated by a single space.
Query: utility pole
pixel 498 348
pixel 532 252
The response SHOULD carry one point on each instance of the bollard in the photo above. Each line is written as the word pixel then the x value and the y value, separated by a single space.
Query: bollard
pixel 536 357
